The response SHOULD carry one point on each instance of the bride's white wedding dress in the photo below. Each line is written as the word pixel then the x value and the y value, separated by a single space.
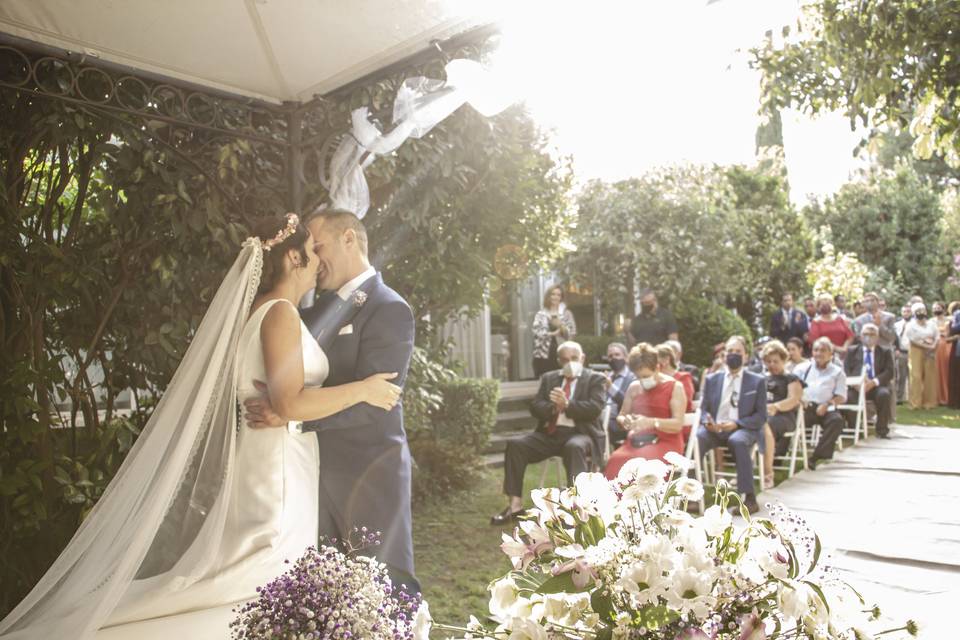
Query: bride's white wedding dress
pixel 272 517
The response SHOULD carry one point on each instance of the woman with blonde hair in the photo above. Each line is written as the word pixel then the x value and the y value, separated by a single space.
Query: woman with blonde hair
pixel 652 412
pixel 552 325
pixel 784 396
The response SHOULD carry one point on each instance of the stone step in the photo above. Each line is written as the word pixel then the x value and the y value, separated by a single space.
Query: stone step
pixel 514 404
pixel 492 461
pixel 514 421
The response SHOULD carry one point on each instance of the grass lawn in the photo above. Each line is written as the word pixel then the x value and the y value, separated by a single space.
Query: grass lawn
pixel 939 417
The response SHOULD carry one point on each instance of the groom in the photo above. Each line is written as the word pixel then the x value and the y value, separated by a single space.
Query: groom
pixel 364 327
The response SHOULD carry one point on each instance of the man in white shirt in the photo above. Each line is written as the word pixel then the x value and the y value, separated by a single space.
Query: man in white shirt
pixel 825 388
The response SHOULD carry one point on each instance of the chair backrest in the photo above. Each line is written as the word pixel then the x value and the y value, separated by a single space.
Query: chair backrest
pixel 691 419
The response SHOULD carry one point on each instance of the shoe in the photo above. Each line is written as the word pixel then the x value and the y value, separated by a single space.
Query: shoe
pixel 812 463
pixel 506 516
pixel 884 436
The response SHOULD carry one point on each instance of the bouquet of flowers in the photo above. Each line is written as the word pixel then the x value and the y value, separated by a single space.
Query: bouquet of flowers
pixel 624 559
pixel 329 593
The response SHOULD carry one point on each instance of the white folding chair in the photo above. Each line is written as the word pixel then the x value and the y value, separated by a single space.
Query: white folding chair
pixel 605 421
pixel 860 407
pixel 693 448
pixel 798 440
pixel 713 473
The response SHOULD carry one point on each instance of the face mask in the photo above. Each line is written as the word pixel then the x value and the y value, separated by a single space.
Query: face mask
pixel 870 341
pixel 648 383
pixel 825 309
pixel 572 369
pixel 617 364
pixel 646 307
pixel 870 306
pixel 938 312
pixel 921 316
pixel 734 361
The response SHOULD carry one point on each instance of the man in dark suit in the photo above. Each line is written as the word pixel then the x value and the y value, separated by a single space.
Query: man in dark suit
pixel 875 364
pixel 568 407
pixel 788 321
pixel 365 328
pixel 733 412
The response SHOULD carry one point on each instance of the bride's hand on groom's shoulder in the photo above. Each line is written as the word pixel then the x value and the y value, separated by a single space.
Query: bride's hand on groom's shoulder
pixel 378 392
pixel 259 413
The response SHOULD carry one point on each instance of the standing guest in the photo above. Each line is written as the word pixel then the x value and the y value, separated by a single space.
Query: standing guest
pixel 652 412
pixel 944 352
pixel 875 363
pixel 717 364
pixel 552 325
pixel 873 314
pixel 924 379
pixel 882 304
pixel 831 325
pixel 654 324
pixel 568 407
pixel 810 308
pixel 784 396
pixel 902 353
pixel 618 381
pixel 857 308
pixel 788 321
pixel 683 366
pixel 825 387
pixel 667 358
pixel 734 410
pixel 795 357
pixel 840 302
pixel 954 377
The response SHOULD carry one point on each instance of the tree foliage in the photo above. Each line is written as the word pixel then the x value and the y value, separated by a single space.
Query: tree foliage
pixel 891 221
pixel 882 63
pixel 727 233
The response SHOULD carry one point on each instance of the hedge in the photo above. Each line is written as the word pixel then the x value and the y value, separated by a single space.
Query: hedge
pixel 702 325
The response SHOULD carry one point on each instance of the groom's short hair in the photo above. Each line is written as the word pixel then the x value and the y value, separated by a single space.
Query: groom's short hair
pixel 338 221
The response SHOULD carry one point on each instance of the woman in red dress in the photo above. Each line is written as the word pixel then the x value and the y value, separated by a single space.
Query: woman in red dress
pixel 832 325
pixel 652 411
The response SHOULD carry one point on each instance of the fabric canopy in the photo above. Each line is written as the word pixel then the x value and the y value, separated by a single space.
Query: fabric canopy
pixel 272 50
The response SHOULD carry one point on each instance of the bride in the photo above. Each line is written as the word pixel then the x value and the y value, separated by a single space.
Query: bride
pixel 204 510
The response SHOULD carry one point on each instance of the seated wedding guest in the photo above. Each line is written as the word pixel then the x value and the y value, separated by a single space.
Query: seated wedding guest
pixel 618 381
pixel 733 411
pixel 693 370
pixel 832 325
pixel 902 353
pixel 954 374
pixel 568 406
pixel 794 354
pixel 875 363
pixel 652 412
pixel 755 363
pixel 810 308
pixel 717 364
pixel 654 324
pixel 944 351
pixel 784 395
pixel 552 325
pixel 924 336
pixel 667 358
pixel 788 321
pixel 825 387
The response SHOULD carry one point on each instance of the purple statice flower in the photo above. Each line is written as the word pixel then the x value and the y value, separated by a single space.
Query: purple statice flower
pixel 329 594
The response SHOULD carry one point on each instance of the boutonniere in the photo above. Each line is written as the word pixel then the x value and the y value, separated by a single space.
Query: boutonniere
pixel 359 297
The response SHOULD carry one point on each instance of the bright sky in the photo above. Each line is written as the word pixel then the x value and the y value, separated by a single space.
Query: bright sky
pixel 628 85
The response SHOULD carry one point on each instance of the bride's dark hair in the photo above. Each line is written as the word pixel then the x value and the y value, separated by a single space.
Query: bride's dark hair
pixel 267 229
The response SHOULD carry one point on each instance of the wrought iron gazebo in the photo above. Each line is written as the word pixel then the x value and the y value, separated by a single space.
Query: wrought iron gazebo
pixel 288 122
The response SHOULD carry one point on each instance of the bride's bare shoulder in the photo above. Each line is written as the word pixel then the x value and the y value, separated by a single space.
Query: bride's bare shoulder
pixel 281 317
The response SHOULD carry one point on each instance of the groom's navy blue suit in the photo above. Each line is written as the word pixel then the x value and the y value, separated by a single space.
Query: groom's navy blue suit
pixel 364 459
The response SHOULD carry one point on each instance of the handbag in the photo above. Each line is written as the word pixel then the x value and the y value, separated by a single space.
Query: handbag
pixel 638 440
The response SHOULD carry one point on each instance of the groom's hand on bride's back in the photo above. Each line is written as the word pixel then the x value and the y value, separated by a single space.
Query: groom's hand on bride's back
pixel 259 413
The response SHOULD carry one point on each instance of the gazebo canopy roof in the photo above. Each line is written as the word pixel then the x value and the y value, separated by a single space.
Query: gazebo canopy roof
pixel 272 50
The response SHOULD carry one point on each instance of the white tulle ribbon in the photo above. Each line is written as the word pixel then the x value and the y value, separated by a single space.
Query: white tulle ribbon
pixel 420 105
